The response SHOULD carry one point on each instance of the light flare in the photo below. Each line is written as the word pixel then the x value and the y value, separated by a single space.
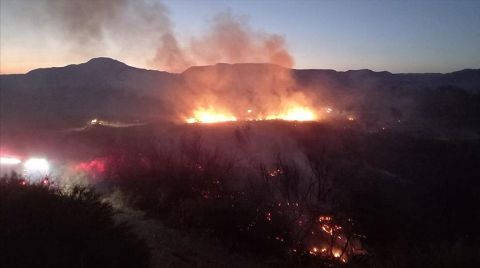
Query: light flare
pixel 8 160
pixel 37 165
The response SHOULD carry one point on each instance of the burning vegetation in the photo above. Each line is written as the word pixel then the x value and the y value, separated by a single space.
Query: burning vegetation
pixel 286 193
pixel 273 206
pixel 212 116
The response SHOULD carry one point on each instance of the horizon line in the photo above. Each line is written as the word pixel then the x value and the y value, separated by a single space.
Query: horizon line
pixel 237 63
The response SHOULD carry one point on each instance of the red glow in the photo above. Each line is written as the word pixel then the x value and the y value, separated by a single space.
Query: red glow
pixel 97 165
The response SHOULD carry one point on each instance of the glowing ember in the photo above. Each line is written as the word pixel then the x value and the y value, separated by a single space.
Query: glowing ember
pixel 210 116
pixel 327 229
pixel 324 218
pixel 275 172
pixel 332 241
pixel 268 216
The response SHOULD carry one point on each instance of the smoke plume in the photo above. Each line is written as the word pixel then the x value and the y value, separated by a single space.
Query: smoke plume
pixel 143 29
pixel 232 40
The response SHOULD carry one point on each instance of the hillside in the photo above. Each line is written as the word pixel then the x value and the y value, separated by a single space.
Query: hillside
pixel 104 87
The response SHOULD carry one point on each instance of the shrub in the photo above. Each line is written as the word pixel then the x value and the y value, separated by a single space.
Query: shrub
pixel 42 227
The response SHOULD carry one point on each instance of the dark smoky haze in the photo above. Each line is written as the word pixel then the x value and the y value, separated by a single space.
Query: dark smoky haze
pixel 224 154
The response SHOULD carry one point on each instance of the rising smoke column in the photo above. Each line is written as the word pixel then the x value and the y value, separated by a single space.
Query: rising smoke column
pixel 115 27
pixel 144 29
pixel 230 39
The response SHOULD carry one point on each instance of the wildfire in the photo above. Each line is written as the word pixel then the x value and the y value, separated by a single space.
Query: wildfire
pixel 210 116
pixel 295 114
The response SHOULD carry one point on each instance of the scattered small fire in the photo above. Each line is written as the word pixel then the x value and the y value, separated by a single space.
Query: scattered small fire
pixel 329 239
pixel 268 216
pixel 275 172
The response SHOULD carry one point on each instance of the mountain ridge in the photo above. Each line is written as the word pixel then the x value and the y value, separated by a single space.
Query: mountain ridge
pixel 104 87
pixel 106 62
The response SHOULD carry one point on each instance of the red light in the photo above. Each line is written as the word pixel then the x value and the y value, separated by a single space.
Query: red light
pixel 97 165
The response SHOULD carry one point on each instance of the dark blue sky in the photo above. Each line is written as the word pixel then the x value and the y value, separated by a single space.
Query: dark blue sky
pixel 398 36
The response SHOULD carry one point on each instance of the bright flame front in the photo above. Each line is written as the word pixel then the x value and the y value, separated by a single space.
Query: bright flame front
pixel 210 115
pixel 295 114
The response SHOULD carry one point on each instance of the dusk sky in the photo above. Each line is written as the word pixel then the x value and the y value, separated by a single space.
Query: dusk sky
pixel 397 36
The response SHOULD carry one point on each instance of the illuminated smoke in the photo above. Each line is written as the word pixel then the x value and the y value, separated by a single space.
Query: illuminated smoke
pixel 247 92
pixel 169 56
pixel 143 29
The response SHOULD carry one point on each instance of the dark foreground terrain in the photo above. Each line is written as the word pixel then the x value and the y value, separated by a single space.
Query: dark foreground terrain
pixel 278 194
pixel 389 177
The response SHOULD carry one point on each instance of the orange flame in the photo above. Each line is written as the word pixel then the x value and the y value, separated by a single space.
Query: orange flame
pixel 295 114
pixel 210 115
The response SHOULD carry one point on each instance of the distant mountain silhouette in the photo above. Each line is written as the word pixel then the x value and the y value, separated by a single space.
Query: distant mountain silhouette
pixel 109 88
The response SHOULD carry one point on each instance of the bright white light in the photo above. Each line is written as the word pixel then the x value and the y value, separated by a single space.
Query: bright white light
pixel 7 160
pixel 38 166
